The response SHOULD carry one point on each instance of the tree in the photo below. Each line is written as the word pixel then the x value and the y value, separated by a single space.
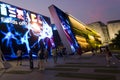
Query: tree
pixel 116 40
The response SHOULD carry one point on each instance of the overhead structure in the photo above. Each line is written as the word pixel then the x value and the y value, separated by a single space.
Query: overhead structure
pixel 75 35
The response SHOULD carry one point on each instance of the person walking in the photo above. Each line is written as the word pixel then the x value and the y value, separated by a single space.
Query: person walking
pixel 54 54
pixel 31 58
pixel 93 51
pixel 46 55
pixel 64 53
pixel 41 56
pixel 1 59
pixel 19 57
pixel 109 56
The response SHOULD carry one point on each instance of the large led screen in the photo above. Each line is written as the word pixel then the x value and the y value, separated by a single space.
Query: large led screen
pixel 85 36
pixel 80 37
pixel 67 29
pixel 20 28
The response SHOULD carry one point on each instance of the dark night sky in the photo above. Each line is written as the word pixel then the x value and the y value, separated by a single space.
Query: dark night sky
pixel 87 11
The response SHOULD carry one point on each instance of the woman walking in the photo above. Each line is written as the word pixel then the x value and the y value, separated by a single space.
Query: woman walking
pixel 19 57
pixel 41 55
pixel 108 56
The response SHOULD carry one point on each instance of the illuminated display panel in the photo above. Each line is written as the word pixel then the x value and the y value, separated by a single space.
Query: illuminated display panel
pixel 67 29
pixel 57 39
pixel 20 28
pixel 85 36
pixel 78 34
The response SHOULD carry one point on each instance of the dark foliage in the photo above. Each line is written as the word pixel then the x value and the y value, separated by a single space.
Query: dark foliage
pixel 116 40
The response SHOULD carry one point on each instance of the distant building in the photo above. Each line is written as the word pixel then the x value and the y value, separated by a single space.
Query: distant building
pixel 113 28
pixel 108 31
pixel 100 28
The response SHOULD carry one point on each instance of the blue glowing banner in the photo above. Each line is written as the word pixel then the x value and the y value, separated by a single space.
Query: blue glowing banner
pixel 65 29
pixel 20 28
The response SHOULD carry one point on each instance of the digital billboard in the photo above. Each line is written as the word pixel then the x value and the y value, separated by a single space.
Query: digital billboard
pixel 21 28
pixel 85 36
pixel 65 30
pixel 57 40
pixel 75 35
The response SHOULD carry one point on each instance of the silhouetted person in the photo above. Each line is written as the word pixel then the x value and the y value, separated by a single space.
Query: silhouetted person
pixel 108 56
pixel 41 55
pixel 64 53
pixel 46 54
pixel 31 59
pixel 19 57
pixel 55 55
pixel 1 59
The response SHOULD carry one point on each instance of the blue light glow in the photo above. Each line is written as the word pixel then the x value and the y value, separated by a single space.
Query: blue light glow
pixel 21 27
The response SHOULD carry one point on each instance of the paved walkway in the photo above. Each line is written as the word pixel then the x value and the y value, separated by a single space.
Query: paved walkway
pixel 87 64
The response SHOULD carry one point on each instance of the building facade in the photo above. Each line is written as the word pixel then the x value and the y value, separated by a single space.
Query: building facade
pixel 113 28
pixel 107 32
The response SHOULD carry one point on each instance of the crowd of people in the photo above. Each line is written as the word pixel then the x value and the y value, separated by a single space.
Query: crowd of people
pixel 105 51
pixel 43 54
pixel 108 55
